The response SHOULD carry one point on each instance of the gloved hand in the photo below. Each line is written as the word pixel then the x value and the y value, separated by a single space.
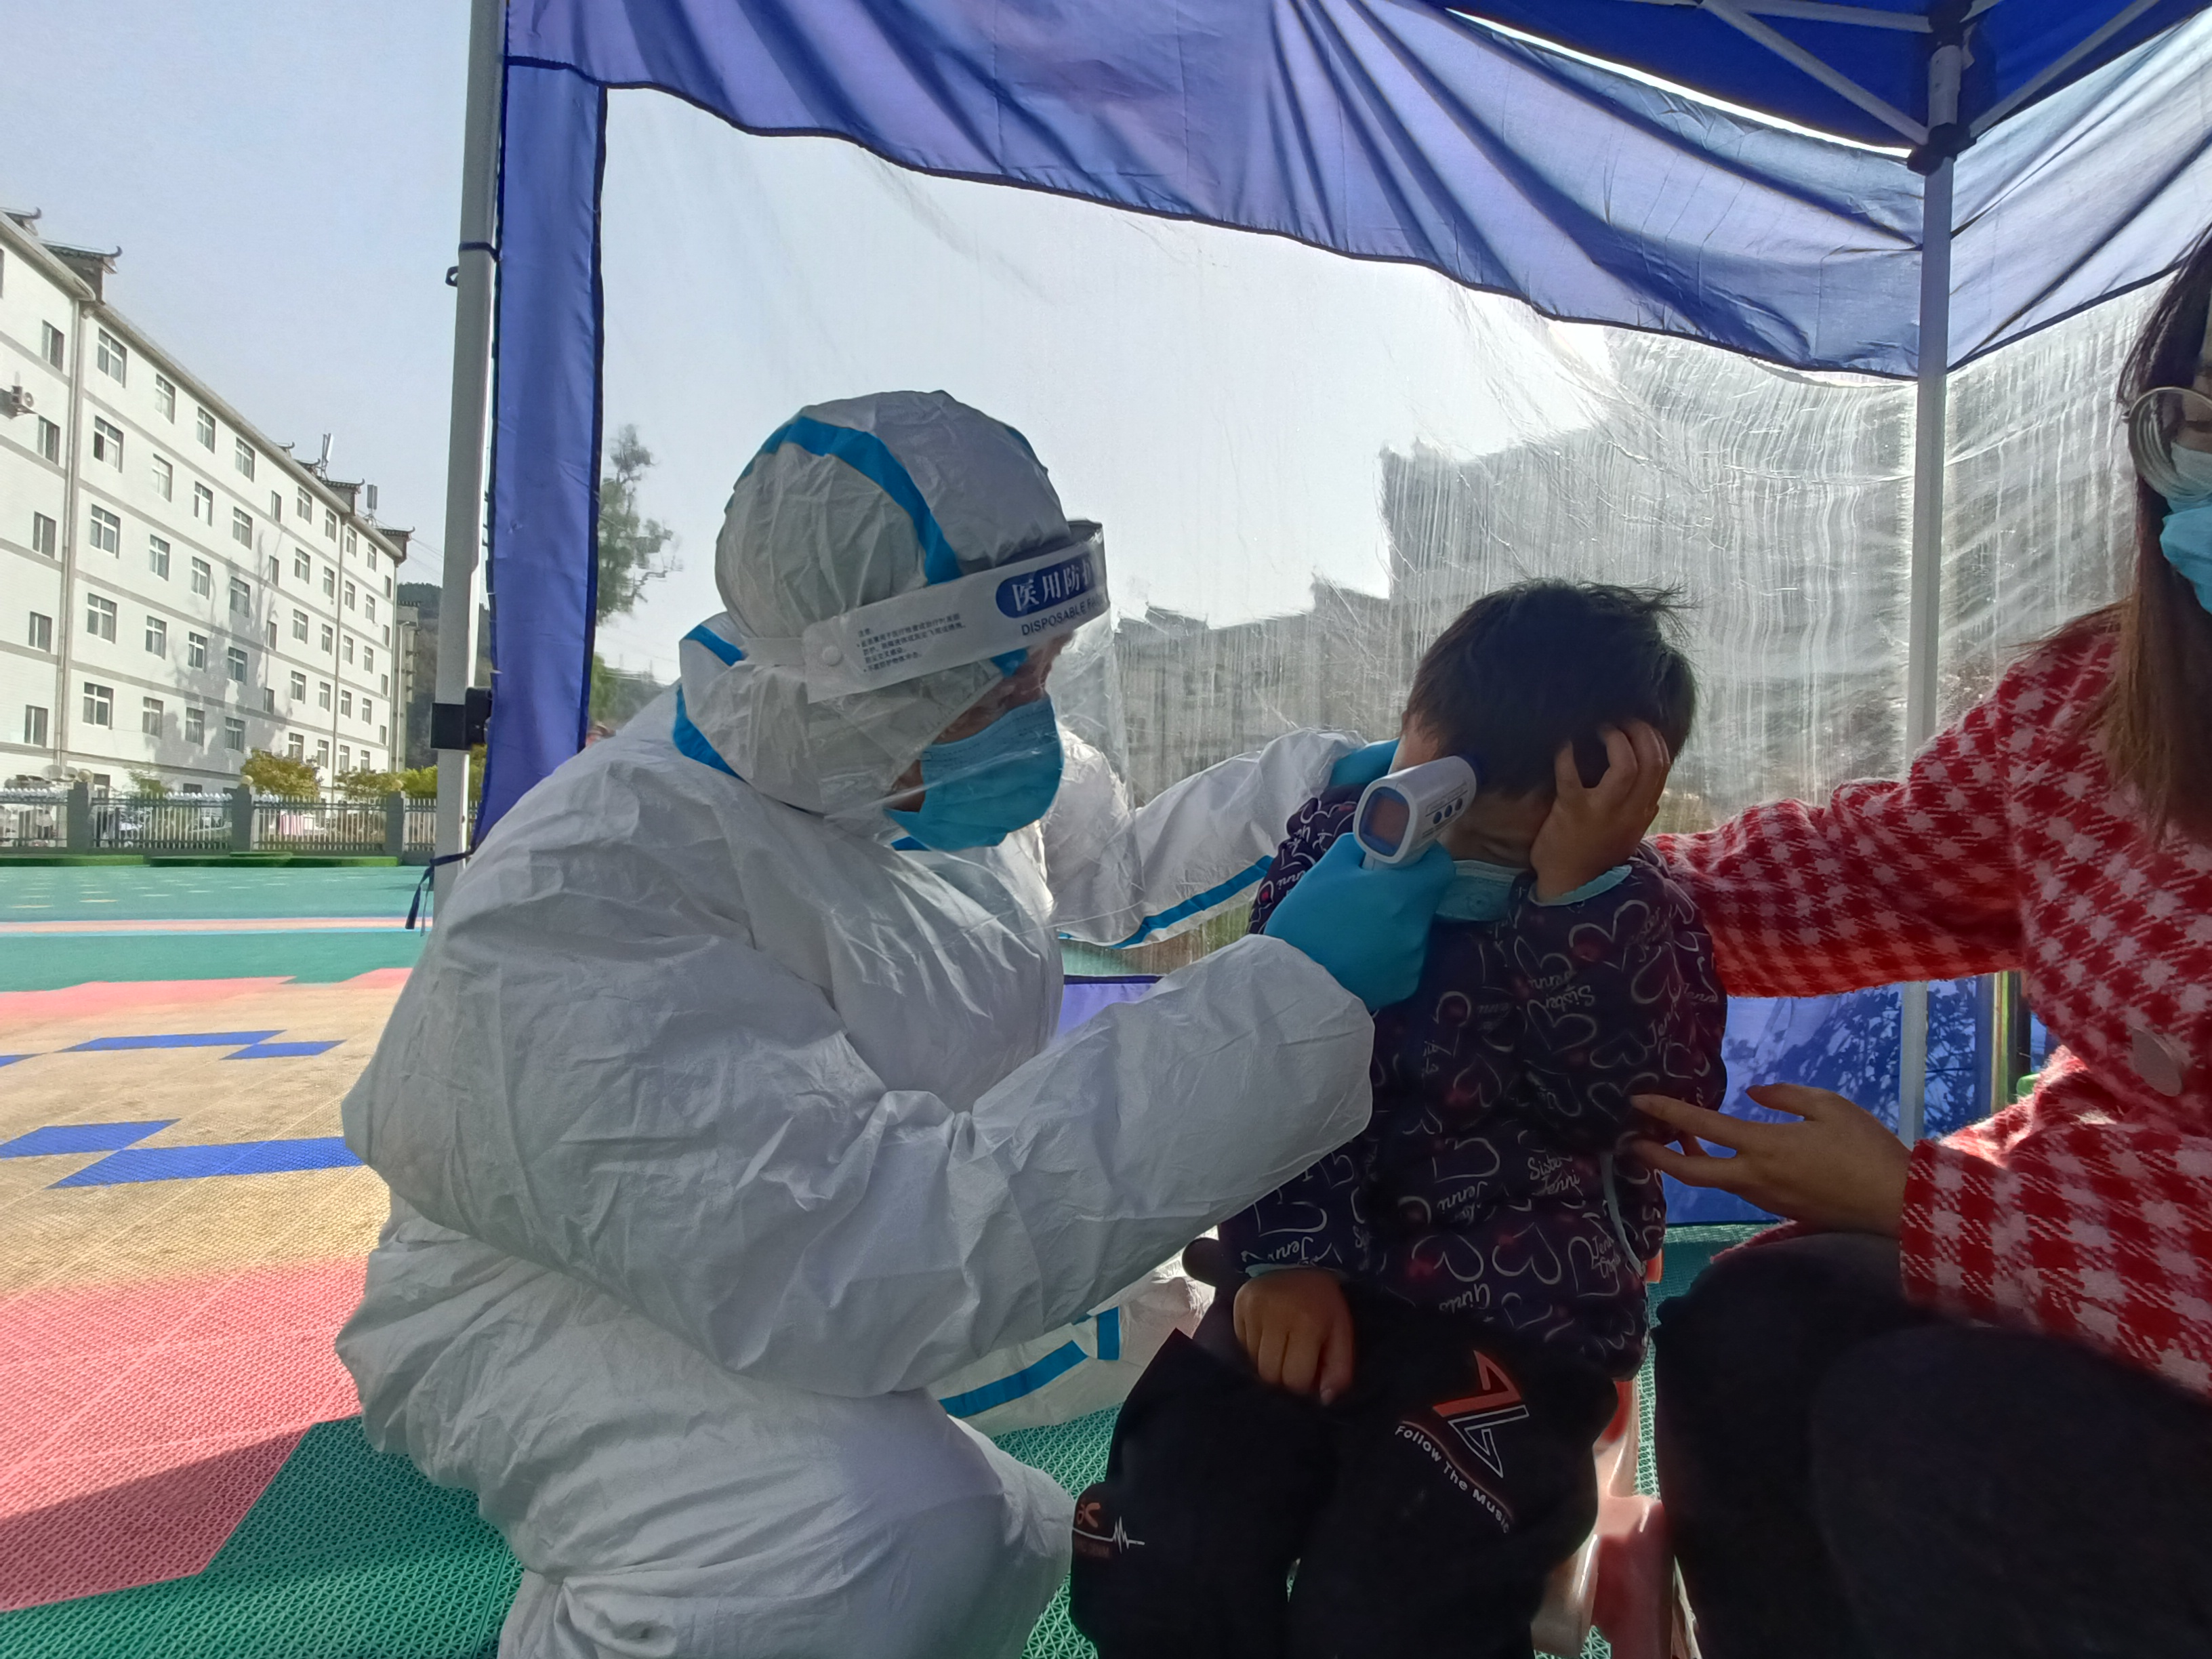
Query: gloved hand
pixel 1369 928
pixel 1362 766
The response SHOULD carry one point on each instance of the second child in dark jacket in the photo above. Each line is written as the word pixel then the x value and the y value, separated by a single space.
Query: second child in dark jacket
pixel 1398 1397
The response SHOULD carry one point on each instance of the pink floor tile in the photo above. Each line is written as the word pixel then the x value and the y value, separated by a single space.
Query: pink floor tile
pixel 377 978
pixel 141 1420
pixel 98 996
pixel 114 1522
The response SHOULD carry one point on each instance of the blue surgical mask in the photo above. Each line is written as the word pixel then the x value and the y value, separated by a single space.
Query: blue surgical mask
pixel 2186 537
pixel 981 789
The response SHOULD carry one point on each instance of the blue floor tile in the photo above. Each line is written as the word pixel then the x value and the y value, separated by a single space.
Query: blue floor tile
pixel 64 1137
pixel 282 1050
pixel 175 1040
pixel 190 1162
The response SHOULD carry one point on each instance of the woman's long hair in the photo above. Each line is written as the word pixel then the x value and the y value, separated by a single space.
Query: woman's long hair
pixel 2154 721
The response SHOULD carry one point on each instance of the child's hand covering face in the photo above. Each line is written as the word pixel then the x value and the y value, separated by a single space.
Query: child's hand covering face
pixel 1297 1328
pixel 1589 830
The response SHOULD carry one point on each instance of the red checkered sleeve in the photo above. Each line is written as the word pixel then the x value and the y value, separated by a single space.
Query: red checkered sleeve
pixel 2098 1232
pixel 1890 881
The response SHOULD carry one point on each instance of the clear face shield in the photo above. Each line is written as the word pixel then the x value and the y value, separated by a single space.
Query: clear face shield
pixel 996 766
pixel 2170 434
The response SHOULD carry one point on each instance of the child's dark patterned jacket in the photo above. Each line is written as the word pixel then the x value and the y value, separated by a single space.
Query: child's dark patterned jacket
pixel 1492 1180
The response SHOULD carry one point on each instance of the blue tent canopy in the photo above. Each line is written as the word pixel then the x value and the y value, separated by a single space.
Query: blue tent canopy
pixel 2020 50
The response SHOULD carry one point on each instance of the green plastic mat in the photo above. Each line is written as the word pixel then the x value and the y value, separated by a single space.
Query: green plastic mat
pixel 155 893
pixel 349 1554
pixel 352 1554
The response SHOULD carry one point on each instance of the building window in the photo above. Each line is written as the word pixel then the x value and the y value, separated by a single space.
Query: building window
pixel 330 583
pixel 202 503
pixel 113 358
pixel 233 734
pixel 299 624
pixel 106 531
pixel 241 527
pixel 368 606
pixel 328 645
pixel 368 710
pixel 241 457
pixel 50 439
pixel 275 507
pixel 98 617
pixel 195 725
pixel 387 634
pixel 107 442
pixel 345 757
pixel 345 704
pixel 165 397
pixel 150 714
pixel 296 747
pixel 203 578
pixel 42 632
pixel 383 683
pixel 157 637
pixel 270 568
pixel 322 694
pixel 350 597
pixel 196 650
pixel 99 704
pixel 157 555
pixel 269 633
pixel 368 659
pixel 322 752
pixel 35 725
pixel 165 477
pixel 241 597
pixel 203 429
pixel 45 534
pixel 233 663
pixel 352 543
pixel 301 570
pixel 50 344
pixel 348 651
pixel 298 687
pixel 387 587
pixel 331 523
pixel 268 699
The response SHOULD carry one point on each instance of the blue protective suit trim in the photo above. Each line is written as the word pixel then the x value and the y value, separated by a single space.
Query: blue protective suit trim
pixel 871 457
pixel 1205 901
pixel 908 844
pixel 718 647
pixel 1028 1380
pixel 1110 1333
pixel 692 742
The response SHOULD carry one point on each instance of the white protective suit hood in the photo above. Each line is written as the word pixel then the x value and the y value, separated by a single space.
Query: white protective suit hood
pixel 846 505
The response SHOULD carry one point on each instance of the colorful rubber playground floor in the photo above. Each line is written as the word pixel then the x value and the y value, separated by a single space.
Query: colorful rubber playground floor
pixel 182 1468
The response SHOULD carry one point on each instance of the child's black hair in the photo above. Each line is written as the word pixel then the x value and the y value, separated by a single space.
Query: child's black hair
pixel 1542 663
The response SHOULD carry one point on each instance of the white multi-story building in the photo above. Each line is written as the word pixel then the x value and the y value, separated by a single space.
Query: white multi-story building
pixel 176 591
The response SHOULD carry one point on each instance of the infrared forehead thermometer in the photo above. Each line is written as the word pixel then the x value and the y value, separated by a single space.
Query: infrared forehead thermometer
pixel 1400 815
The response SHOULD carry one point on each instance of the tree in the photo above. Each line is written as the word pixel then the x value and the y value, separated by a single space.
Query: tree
pixel 149 786
pixel 630 547
pixel 366 785
pixel 279 774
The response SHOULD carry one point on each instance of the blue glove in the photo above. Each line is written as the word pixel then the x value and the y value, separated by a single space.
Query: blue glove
pixel 1369 928
pixel 1362 766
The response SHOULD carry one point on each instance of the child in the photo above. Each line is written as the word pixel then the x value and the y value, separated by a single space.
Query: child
pixel 1398 1384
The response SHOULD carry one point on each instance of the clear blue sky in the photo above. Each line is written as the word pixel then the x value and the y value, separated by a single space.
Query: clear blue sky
pixel 284 183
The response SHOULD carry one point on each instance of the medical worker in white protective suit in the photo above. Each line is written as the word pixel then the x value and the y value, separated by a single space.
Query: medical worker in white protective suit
pixel 719 1117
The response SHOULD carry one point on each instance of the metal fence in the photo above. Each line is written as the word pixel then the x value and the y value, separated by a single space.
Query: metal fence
pixel 76 820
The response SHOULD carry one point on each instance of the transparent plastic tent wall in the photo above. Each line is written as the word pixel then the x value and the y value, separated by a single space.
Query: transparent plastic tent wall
pixel 1307 466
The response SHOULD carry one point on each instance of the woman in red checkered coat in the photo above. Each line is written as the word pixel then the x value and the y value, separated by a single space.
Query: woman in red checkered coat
pixel 1965 1406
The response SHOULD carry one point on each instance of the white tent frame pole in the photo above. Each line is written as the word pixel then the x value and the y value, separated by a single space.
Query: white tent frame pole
pixel 465 453
pixel 1923 627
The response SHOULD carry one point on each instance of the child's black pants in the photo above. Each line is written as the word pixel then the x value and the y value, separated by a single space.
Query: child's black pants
pixel 1422 1513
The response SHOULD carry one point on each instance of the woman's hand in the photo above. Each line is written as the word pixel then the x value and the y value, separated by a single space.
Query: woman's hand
pixel 1589 830
pixel 1297 1327
pixel 1838 1169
